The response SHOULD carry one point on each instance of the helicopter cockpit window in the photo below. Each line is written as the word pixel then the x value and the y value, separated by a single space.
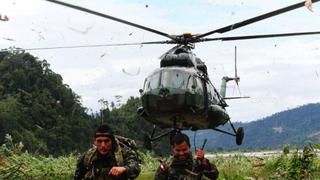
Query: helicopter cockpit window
pixel 174 79
pixel 153 81
pixel 146 84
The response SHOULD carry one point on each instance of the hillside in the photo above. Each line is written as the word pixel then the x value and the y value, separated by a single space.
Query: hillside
pixel 37 109
pixel 46 115
pixel 295 127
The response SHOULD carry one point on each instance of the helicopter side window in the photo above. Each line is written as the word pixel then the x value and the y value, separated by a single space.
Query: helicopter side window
pixel 212 96
pixel 199 87
pixel 209 92
pixel 154 81
pixel 146 84
pixel 192 84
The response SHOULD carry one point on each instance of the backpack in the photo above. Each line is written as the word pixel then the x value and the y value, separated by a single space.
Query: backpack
pixel 122 142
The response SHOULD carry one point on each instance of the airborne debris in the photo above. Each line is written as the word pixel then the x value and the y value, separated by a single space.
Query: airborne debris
pixel 8 39
pixel 308 5
pixel 41 37
pixel 81 31
pixel 102 55
pixel 5 18
pixel 130 74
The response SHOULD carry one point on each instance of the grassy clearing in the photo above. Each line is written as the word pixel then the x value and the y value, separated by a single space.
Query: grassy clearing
pixel 26 166
pixel 17 165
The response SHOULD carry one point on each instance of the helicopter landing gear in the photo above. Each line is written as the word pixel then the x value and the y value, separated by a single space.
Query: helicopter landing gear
pixel 239 133
pixel 149 139
pixel 147 142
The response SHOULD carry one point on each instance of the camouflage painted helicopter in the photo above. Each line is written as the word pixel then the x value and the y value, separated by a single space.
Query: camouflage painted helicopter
pixel 179 95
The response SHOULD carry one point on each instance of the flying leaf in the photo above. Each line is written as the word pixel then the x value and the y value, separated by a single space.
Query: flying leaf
pixel 8 39
pixel 5 18
pixel 308 5
pixel 85 31
pixel 131 74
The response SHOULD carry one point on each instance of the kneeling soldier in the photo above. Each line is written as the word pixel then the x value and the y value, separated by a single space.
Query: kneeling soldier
pixel 183 166
pixel 113 157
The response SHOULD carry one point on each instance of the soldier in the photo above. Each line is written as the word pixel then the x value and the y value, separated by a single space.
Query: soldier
pixel 183 166
pixel 113 157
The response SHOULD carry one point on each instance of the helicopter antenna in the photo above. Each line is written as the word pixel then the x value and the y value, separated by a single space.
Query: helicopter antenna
pixel 236 77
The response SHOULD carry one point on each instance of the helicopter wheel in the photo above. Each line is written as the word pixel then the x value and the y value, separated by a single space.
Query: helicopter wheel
pixel 147 142
pixel 239 135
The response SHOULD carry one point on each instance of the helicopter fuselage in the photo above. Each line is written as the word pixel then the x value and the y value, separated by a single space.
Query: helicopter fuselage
pixel 181 95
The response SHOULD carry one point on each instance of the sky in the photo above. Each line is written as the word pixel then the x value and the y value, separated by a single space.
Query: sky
pixel 277 73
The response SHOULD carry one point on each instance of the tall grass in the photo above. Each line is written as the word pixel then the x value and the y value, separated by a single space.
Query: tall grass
pixel 15 164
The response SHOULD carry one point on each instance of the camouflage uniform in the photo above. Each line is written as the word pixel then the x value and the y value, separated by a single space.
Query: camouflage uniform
pixel 92 165
pixel 187 169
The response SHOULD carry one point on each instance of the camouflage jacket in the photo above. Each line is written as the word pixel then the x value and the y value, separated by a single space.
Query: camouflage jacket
pixel 189 169
pixel 93 166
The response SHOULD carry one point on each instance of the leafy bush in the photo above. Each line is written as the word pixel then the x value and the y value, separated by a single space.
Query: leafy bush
pixel 15 164
pixel 149 162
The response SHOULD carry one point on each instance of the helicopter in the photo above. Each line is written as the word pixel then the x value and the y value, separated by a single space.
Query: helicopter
pixel 179 94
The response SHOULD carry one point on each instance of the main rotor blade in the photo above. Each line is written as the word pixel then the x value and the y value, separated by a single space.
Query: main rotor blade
pixel 234 38
pixel 112 18
pixel 255 19
pixel 87 46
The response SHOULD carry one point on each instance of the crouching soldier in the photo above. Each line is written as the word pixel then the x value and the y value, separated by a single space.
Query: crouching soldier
pixel 183 166
pixel 113 157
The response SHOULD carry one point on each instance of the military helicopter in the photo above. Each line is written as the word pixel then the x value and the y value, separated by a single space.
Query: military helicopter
pixel 179 95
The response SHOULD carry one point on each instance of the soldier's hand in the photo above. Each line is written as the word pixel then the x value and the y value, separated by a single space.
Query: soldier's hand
pixel 200 154
pixel 164 167
pixel 116 171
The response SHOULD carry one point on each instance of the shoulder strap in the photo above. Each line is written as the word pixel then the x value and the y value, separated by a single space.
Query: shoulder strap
pixel 118 153
pixel 88 156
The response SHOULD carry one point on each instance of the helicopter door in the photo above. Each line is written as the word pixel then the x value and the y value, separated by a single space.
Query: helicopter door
pixel 212 96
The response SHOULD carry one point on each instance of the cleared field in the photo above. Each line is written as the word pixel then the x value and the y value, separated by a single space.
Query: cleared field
pixel 260 154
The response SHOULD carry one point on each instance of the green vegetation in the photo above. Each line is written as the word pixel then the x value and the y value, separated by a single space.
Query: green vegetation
pixel 37 109
pixel 15 164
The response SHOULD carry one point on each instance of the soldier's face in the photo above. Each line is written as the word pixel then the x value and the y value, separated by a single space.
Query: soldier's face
pixel 181 151
pixel 103 144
